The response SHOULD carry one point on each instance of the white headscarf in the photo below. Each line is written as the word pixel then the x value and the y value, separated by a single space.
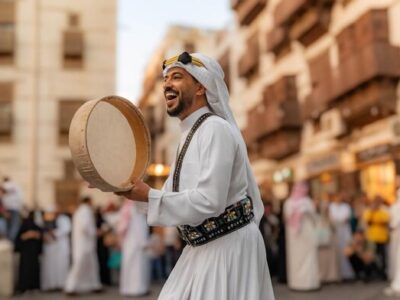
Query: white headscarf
pixel 212 78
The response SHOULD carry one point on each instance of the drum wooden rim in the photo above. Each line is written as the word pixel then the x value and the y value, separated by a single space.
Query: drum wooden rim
pixel 79 148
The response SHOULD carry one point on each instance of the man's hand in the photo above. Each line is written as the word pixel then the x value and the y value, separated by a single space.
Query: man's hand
pixel 139 191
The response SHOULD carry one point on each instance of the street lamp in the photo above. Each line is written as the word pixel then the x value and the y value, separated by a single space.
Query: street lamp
pixel 158 170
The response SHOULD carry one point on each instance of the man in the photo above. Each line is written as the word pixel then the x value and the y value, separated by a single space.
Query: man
pixel 56 250
pixel 376 219
pixel 29 243
pixel 135 269
pixel 361 255
pixel 394 288
pixel 84 273
pixel 302 248
pixel 12 201
pixel 211 196
pixel 340 214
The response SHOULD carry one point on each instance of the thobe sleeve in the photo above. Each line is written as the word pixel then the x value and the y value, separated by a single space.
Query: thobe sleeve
pixel 217 148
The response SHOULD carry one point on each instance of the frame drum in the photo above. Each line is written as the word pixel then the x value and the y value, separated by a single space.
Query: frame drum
pixel 109 143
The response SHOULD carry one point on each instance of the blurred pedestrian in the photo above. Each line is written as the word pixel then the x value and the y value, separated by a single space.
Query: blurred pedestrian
pixel 173 247
pixel 394 259
pixel 28 244
pixel 301 245
pixel 135 267
pixel 7 266
pixel 3 215
pixel 56 250
pixel 269 228
pixel 327 258
pixel 103 252
pixel 84 273
pixel 361 254
pixel 376 218
pixel 339 215
pixel 13 202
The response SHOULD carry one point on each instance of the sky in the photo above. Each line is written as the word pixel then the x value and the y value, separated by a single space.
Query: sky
pixel 142 26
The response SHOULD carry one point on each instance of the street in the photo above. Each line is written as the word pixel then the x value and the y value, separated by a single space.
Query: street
pixel 349 291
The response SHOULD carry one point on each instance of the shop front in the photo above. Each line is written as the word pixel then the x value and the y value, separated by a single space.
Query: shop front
pixel 377 171
pixel 323 174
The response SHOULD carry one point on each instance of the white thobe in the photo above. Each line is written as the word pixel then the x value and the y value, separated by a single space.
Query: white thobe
pixel 213 176
pixel 395 246
pixel 56 256
pixel 339 214
pixel 135 267
pixel 302 247
pixel 84 273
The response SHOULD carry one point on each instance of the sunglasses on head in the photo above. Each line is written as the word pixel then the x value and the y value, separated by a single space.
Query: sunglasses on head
pixel 184 58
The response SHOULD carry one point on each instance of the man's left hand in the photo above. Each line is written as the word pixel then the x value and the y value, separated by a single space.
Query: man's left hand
pixel 139 191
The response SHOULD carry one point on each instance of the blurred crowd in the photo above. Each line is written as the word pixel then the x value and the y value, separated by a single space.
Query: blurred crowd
pixel 81 252
pixel 311 242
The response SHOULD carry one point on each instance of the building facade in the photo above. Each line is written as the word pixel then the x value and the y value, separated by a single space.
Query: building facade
pixel 54 55
pixel 316 92
pixel 315 89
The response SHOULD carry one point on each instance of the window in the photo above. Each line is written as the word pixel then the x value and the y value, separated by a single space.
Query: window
pixel 73 45
pixel 6 96
pixel 7 31
pixel 66 111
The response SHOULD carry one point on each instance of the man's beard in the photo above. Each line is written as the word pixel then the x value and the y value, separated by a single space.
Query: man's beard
pixel 183 103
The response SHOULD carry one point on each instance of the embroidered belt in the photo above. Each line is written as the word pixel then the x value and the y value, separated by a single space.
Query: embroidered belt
pixel 234 217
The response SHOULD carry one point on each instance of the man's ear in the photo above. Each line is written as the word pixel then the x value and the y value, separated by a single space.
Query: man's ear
pixel 201 90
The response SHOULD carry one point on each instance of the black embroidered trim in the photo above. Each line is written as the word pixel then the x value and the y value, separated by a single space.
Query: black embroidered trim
pixel 234 217
pixel 179 160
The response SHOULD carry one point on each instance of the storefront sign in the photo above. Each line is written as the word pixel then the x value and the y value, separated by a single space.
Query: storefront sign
pixel 373 153
pixel 323 164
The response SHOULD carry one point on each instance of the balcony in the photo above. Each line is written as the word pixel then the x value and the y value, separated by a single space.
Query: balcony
pixel 373 101
pixel 306 20
pixel 249 62
pixel 247 10
pixel 310 25
pixel 278 41
pixel 286 10
pixel 375 60
pixel 277 116
pixel 280 144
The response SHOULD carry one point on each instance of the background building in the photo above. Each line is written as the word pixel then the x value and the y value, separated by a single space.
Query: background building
pixel 315 88
pixel 54 55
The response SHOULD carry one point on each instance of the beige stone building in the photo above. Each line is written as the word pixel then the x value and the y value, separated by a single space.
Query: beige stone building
pixel 322 78
pixel 315 88
pixel 54 55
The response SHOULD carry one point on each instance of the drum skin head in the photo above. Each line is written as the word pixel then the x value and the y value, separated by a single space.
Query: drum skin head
pixel 109 143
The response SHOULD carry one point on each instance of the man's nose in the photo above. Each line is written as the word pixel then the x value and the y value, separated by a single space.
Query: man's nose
pixel 167 83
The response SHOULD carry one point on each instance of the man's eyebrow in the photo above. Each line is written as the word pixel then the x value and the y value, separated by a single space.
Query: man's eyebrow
pixel 174 72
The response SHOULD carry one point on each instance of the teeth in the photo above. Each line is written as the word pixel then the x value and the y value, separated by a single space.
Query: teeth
pixel 170 95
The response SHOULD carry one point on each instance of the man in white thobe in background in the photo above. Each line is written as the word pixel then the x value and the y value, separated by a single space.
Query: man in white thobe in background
pixel 211 195
pixel 56 253
pixel 13 202
pixel 135 268
pixel 340 214
pixel 83 276
pixel 394 259
pixel 301 240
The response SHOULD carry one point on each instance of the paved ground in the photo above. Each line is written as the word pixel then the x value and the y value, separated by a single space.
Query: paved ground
pixel 350 291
